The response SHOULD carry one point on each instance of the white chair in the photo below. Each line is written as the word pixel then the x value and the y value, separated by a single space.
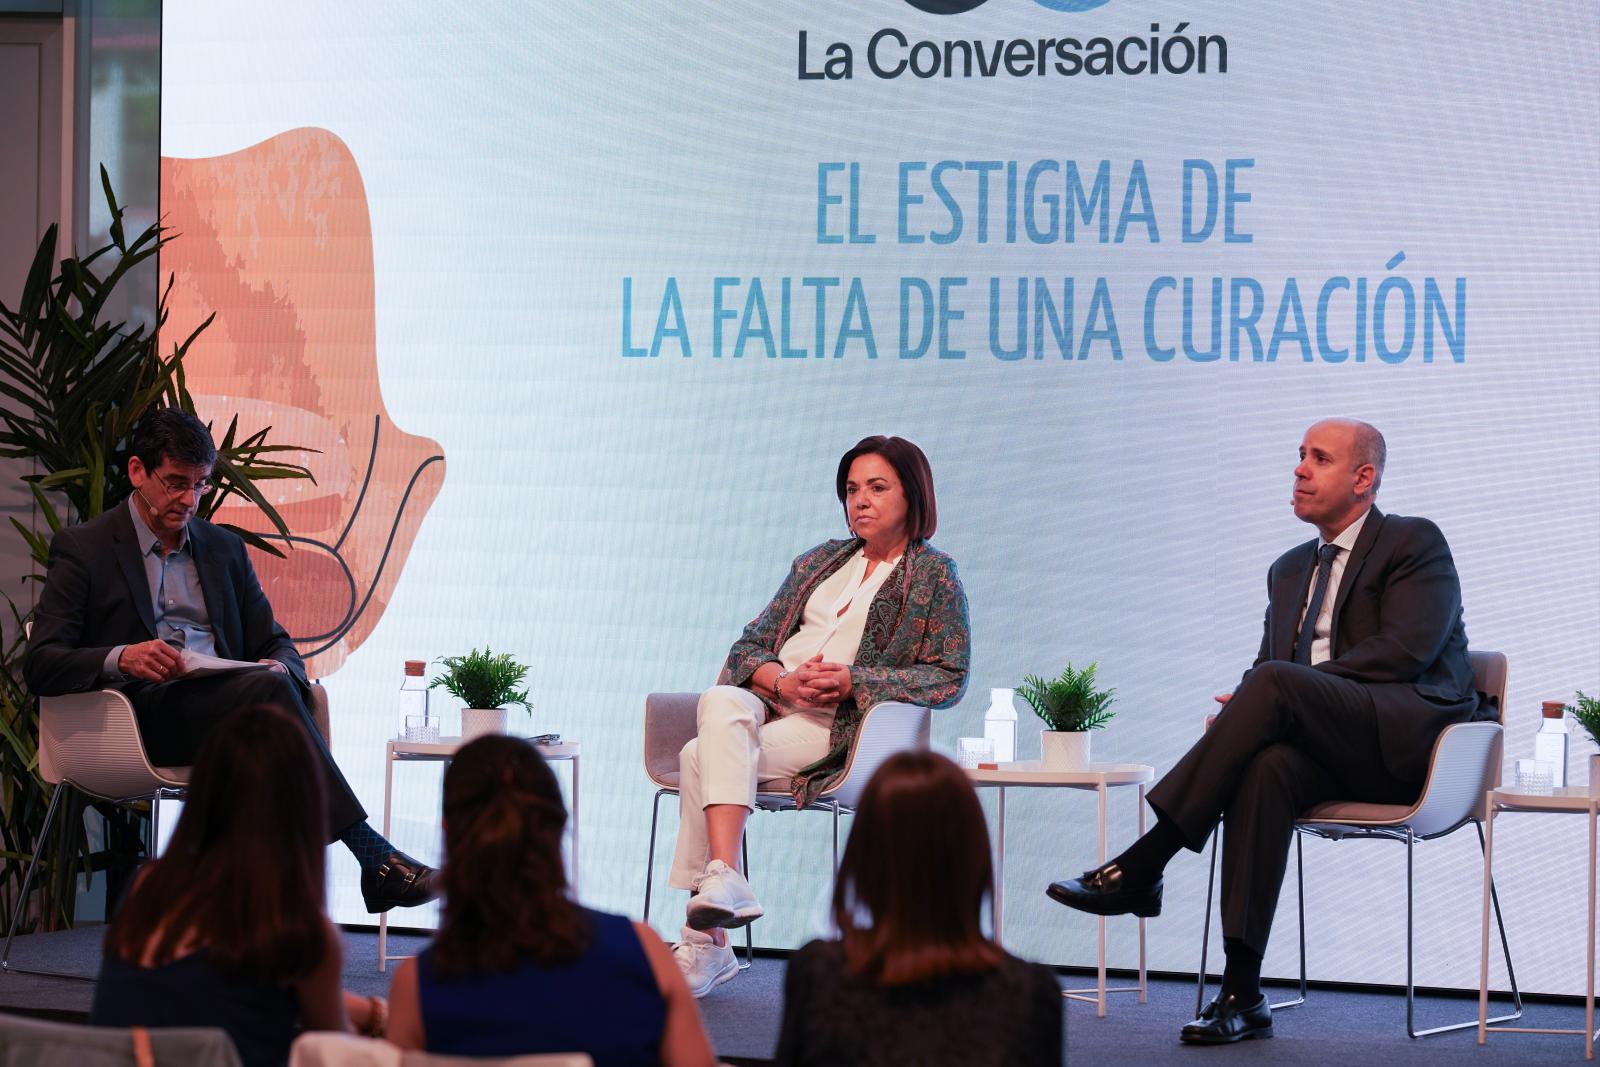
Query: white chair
pixel 90 742
pixel 347 1050
pixel 1465 765
pixel 670 723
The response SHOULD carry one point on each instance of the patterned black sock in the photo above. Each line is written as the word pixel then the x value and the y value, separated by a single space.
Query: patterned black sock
pixel 367 845
pixel 1144 860
pixel 1242 974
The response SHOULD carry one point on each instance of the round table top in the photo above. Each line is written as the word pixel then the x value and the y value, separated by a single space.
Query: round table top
pixel 1034 773
pixel 446 747
pixel 1571 798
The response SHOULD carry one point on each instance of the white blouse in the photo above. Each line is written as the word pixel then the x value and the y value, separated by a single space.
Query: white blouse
pixel 836 614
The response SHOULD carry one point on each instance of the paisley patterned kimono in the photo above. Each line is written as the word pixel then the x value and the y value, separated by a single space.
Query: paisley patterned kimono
pixel 914 649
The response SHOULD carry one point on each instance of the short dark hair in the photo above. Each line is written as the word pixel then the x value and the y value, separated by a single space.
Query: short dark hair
pixel 917 863
pixel 253 792
pixel 174 434
pixel 916 479
pixel 505 885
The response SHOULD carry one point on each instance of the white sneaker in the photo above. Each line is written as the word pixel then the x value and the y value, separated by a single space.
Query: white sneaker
pixel 704 963
pixel 722 898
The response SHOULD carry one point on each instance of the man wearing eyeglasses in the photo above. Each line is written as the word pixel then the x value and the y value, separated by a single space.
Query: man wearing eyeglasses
pixel 128 592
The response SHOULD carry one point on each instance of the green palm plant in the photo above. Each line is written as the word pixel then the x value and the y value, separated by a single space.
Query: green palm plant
pixel 484 679
pixel 1071 702
pixel 73 384
pixel 1586 710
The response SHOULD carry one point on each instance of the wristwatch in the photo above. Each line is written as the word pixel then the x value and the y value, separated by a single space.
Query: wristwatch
pixel 777 684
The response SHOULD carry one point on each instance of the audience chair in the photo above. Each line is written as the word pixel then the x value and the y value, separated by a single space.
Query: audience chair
pixel 1465 765
pixel 670 722
pixel 37 1043
pixel 347 1050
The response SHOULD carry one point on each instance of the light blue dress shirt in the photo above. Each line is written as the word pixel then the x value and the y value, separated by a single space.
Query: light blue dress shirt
pixel 178 601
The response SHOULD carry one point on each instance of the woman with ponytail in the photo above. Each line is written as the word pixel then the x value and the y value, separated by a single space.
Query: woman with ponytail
pixel 518 967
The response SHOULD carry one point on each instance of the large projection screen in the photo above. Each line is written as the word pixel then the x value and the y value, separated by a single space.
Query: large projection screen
pixel 581 303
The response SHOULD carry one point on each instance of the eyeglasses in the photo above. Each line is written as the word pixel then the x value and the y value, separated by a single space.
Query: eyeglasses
pixel 178 487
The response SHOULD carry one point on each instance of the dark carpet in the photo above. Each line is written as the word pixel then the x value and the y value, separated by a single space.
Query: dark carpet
pixel 1335 1028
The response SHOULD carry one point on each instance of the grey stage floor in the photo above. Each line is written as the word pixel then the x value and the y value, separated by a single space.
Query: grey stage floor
pixel 1347 1029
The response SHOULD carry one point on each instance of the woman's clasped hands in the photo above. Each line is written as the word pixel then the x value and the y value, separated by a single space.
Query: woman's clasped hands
pixel 817 683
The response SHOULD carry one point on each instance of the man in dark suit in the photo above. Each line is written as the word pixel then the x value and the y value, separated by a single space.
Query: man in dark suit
pixel 1363 662
pixel 128 592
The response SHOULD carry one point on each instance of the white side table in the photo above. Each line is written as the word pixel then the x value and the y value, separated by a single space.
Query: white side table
pixel 1570 800
pixel 441 751
pixel 1101 777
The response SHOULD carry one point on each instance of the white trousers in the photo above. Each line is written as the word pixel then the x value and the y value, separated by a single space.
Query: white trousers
pixel 736 749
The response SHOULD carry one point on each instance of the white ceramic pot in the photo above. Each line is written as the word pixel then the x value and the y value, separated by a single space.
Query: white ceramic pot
pixel 1064 750
pixel 476 722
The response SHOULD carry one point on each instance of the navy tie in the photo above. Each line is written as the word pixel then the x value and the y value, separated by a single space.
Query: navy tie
pixel 1308 629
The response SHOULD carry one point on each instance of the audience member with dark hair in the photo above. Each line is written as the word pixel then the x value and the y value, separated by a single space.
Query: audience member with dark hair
pixel 518 967
pixel 878 616
pixel 912 979
pixel 210 936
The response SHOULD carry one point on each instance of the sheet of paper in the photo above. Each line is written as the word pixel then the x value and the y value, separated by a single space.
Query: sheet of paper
pixel 198 664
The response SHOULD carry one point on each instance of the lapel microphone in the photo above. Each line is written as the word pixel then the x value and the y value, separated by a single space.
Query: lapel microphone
pixel 153 509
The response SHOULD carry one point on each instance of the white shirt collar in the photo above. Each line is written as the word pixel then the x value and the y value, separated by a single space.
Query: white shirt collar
pixel 1346 540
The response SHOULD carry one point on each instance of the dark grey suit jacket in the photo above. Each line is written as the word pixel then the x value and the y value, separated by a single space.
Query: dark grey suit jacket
pixel 1397 628
pixel 96 596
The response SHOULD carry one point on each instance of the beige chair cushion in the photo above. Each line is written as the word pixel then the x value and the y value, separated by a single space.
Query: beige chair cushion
pixel 1354 811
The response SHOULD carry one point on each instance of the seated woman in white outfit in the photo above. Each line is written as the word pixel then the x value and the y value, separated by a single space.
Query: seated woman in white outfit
pixel 879 616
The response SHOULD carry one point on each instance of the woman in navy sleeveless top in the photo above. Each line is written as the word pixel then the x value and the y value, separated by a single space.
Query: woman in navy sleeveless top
pixel 227 928
pixel 518 968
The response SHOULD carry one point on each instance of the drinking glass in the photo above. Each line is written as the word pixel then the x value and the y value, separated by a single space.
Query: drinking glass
pixel 1535 776
pixel 422 729
pixel 971 751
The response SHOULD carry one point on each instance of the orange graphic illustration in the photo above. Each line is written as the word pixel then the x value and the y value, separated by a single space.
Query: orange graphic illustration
pixel 277 240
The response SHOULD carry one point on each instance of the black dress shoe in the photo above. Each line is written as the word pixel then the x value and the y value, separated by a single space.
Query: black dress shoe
pixel 1105 891
pixel 398 882
pixel 1226 1020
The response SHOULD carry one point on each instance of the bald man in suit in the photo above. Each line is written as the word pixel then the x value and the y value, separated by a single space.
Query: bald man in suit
pixel 1363 663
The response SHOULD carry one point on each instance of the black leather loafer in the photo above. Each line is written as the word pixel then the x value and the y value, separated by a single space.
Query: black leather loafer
pixel 398 882
pixel 1225 1021
pixel 1104 891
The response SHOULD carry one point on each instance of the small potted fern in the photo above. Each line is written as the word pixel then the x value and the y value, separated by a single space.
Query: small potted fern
pixel 1070 706
pixel 485 682
pixel 1586 712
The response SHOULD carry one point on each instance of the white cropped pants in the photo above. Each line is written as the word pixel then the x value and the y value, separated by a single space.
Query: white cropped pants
pixel 736 749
